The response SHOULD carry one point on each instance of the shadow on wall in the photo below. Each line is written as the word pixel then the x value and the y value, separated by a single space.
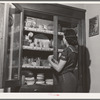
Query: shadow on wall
pixel 83 71
pixel 86 69
pixel 88 77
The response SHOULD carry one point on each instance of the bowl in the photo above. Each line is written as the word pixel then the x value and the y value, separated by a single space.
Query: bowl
pixel 30 82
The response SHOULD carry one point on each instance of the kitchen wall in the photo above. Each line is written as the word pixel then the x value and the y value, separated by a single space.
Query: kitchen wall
pixel 92 43
pixel 94 48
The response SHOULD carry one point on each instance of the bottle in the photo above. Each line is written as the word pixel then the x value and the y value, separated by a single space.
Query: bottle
pixel 38 61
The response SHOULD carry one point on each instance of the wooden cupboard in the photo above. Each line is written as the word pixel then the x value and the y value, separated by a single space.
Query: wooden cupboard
pixel 34 31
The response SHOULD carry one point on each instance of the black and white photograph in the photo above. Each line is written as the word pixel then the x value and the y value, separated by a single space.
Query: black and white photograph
pixel 46 48
pixel 94 26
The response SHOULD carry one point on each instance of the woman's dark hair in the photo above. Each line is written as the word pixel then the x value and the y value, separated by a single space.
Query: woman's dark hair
pixel 70 36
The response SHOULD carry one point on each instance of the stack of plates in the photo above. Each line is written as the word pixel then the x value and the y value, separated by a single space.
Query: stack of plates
pixel 49 81
pixel 30 80
pixel 40 78
pixel 40 82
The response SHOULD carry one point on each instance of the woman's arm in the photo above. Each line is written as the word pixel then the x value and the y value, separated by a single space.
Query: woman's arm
pixel 57 66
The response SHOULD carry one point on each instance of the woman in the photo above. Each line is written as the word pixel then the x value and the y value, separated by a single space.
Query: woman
pixel 67 62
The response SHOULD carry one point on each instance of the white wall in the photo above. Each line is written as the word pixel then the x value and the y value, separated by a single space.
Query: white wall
pixel 93 45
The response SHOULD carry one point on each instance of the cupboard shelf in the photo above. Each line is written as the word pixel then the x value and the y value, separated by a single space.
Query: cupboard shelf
pixel 42 31
pixel 39 49
pixel 38 85
pixel 36 49
pixel 36 88
pixel 35 67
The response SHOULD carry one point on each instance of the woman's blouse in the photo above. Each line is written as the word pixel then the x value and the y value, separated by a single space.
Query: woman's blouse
pixel 69 54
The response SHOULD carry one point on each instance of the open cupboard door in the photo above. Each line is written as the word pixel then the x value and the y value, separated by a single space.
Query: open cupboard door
pixel 12 55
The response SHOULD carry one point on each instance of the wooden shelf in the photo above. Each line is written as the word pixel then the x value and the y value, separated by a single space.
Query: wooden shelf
pixel 42 31
pixel 37 48
pixel 40 49
pixel 36 88
pixel 35 67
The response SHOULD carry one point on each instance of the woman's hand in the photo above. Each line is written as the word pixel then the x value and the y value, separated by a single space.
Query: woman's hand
pixel 54 63
pixel 50 57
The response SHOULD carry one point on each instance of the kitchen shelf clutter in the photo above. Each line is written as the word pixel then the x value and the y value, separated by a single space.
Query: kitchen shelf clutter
pixel 39 79
pixel 37 46
pixel 35 63
pixel 32 24
pixel 38 43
